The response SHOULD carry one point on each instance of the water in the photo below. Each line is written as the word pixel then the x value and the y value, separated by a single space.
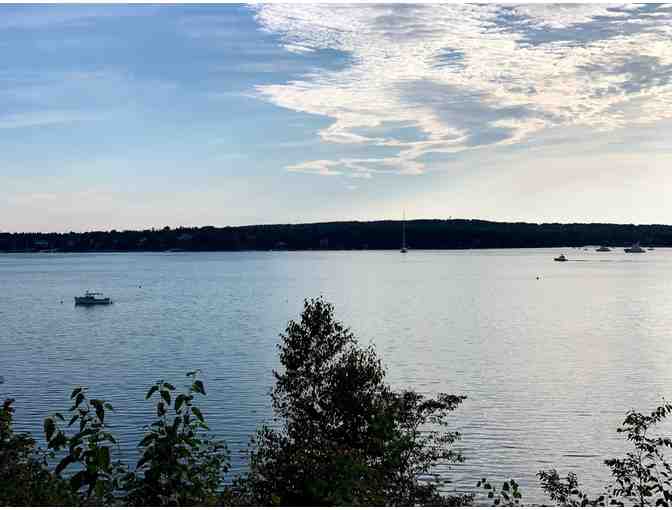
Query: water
pixel 549 365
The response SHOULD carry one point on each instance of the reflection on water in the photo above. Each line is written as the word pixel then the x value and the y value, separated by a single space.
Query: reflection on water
pixel 550 364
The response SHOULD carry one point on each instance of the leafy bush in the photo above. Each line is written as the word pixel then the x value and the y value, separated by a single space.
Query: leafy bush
pixel 95 477
pixel 642 478
pixel 25 479
pixel 179 465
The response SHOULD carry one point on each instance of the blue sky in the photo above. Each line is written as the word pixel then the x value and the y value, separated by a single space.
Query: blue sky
pixel 131 116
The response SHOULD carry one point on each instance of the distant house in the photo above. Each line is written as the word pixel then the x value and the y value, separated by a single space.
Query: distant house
pixel 185 238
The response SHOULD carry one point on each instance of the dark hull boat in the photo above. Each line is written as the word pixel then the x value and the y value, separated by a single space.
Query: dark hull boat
pixel 92 298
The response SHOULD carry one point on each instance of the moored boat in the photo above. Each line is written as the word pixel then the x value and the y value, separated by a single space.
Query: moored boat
pixel 603 248
pixel 92 298
pixel 561 258
pixel 635 248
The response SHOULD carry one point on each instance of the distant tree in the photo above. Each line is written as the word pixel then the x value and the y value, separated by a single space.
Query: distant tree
pixel 345 438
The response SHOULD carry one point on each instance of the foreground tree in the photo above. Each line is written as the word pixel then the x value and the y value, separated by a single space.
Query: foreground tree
pixel 344 437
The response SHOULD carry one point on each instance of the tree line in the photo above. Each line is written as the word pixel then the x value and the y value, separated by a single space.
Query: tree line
pixel 343 437
pixel 355 235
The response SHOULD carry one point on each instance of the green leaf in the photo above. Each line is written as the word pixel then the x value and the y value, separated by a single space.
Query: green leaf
pixel 58 441
pixel 165 395
pixel 100 410
pixel 65 461
pixel 197 413
pixel 79 480
pixel 151 391
pixel 143 460
pixel 75 392
pixel 79 399
pixel 198 387
pixel 49 428
pixel 179 401
pixel 104 456
pixel 169 386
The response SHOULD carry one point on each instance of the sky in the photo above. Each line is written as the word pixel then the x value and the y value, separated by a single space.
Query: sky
pixel 138 116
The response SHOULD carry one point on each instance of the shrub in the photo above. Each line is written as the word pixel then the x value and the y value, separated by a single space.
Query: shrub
pixel 25 479
pixel 642 478
pixel 179 465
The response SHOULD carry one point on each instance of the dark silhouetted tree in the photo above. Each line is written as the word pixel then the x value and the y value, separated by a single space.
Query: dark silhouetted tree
pixel 345 438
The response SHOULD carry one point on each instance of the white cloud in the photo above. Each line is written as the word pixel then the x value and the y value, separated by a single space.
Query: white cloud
pixel 470 75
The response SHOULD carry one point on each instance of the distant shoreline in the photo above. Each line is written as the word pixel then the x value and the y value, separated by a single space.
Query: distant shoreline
pixel 343 236
pixel 591 248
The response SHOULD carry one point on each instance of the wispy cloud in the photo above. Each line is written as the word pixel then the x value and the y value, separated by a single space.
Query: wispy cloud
pixel 44 118
pixel 467 76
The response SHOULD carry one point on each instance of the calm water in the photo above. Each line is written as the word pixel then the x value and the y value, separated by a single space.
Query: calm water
pixel 550 366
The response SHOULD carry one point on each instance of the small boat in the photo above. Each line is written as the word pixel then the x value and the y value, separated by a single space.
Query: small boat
pixel 650 248
pixel 92 298
pixel 635 248
pixel 603 248
pixel 561 258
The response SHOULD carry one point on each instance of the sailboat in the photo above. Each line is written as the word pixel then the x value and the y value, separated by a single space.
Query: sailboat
pixel 404 248
pixel 635 248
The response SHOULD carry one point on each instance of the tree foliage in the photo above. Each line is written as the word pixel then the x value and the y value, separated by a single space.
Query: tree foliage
pixel 345 437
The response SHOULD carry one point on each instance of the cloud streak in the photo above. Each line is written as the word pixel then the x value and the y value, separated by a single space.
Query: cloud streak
pixel 468 76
